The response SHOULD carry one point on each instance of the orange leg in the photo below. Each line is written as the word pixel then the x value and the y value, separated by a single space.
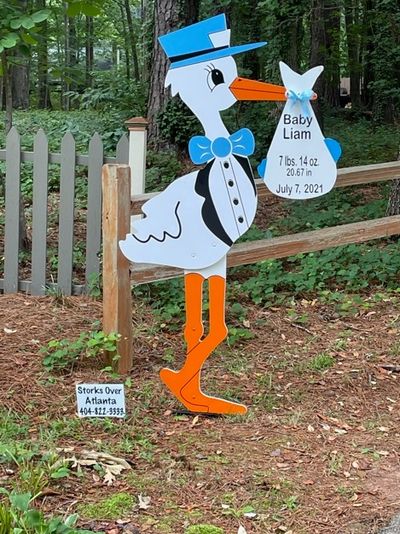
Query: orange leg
pixel 194 328
pixel 185 384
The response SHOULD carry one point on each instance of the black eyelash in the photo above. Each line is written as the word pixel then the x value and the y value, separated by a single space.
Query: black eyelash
pixel 208 67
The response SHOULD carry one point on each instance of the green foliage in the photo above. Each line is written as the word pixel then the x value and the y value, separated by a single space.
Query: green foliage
pixel 90 8
pixel 235 335
pixel 363 141
pixel 384 59
pixel 162 169
pixel 116 506
pixel 60 355
pixel 166 298
pixel 178 124
pixel 17 27
pixel 112 91
pixel 351 268
pixel 204 529
pixel 82 125
pixel 17 516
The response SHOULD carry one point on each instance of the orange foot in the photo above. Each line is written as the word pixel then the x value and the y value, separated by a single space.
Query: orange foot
pixel 191 396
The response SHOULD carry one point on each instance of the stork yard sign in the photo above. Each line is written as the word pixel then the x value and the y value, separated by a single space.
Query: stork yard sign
pixel 193 223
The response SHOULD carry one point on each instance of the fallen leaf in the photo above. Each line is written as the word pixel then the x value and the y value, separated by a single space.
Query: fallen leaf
pixel 242 530
pixel 383 453
pixel 144 502
pixel 9 331
pixel 195 420
pixel 250 515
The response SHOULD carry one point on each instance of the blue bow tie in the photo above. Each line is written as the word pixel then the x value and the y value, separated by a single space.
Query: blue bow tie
pixel 303 97
pixel 202 149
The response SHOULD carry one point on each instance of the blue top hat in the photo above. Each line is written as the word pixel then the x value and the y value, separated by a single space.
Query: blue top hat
pixel 203 41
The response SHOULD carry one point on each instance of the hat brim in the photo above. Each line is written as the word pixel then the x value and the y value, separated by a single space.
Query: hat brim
pixel 225 52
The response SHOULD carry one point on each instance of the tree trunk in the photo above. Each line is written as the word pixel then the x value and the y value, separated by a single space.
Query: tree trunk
pixel 190 11
pixel 20 83
pixel 318 51
pixel 44 101
pixel 7 85
pixel 89 57
pixel 294 36
pixel 165 21
pixel 352 18
pixel 393 207
pixel 126 40
pixel 332 46
pixel 70 59
pixel 132 40
pixel 386 60
pixel 7 81
pixel 367 49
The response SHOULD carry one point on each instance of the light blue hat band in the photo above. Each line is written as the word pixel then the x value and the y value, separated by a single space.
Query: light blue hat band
pixel 214 53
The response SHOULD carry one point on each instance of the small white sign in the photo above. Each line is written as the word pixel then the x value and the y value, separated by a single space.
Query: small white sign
pixel 100 400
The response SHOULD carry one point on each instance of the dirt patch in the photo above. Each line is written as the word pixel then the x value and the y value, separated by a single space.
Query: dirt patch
pixel 318 451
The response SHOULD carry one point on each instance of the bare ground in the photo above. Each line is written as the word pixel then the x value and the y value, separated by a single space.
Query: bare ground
pixel 318 451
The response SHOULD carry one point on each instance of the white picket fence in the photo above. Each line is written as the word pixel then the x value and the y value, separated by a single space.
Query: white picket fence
pixel 68 160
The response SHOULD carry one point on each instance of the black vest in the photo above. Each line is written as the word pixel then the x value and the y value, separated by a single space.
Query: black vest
pixel 208 211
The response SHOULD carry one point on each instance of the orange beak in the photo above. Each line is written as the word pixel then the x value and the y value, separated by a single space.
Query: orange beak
pixel 244 89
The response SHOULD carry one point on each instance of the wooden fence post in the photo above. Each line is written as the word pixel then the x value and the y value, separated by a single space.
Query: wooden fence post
pixel 117 300
pixel 137 127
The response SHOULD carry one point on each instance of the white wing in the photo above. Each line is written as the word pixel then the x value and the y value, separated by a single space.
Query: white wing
pixel 161 216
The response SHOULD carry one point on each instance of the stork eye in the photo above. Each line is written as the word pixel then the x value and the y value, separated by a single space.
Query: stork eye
pixel 214 78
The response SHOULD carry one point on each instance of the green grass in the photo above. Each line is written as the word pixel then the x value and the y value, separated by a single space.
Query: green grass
pixel 321 362
pixel 117 506
pixel 204 529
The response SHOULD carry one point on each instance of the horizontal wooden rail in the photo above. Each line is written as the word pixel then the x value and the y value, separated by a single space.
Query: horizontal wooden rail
pixel 364 174
pixel 281 247
pixel 80 159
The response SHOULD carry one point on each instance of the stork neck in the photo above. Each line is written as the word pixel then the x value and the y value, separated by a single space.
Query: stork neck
pixel 214 127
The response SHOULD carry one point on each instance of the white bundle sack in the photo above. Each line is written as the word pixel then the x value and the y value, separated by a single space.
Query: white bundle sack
pixel 301 163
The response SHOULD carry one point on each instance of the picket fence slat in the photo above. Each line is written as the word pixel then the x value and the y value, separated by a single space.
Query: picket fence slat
pixel 123 150
pixel 66 214
pixel 93 231
pixel 68 160
pixel 39 213
pixel 12 222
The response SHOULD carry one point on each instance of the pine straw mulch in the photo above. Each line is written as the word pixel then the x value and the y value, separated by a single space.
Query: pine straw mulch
pixel 317 453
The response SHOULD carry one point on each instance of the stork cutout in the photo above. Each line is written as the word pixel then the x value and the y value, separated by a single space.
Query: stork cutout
pixel 193 223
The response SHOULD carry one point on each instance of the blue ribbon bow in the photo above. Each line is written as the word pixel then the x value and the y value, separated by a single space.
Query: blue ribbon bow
pixel 302 97
pixel 202 149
